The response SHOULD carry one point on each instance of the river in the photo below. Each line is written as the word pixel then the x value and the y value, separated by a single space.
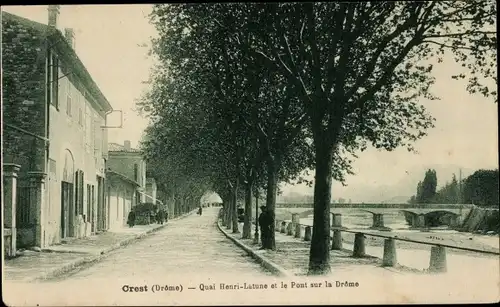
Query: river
pixel 414 255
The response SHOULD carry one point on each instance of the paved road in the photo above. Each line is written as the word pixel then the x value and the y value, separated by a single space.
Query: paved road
pixel 191 248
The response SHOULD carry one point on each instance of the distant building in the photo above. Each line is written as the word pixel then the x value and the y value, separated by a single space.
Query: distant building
pixel 127 184
pixel 53 118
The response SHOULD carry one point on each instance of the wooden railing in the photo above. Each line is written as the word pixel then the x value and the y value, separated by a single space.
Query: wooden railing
pixel 437 261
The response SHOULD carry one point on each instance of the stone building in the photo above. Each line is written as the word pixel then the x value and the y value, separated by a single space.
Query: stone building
pixel 53 119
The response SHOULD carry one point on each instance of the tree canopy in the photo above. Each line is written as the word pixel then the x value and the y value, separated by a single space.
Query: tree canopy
pixel 247 92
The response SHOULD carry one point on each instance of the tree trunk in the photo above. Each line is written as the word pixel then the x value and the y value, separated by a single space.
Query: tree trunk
pixel 235 207
pixel 256 236
pixel 247 226
pixel 272 183
pixel 224 212
pixel 229 212
pixel 319 256
pixel 177 206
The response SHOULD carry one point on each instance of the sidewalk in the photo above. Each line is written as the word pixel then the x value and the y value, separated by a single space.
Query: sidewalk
pixel 292 256
pixel 59 259
pixel 394 285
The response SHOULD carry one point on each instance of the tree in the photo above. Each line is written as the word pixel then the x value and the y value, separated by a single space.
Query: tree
pixel 428 187
pixel 481 188
pixel 344 74
pixel 255 100
pixel 359 70
pixel 449 193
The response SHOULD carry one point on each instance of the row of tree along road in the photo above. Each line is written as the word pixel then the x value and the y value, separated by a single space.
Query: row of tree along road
pixel 246 96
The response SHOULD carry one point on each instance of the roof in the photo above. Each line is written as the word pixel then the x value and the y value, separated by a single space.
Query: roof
pixel 66 53
pixel 118 147
pixel 121 176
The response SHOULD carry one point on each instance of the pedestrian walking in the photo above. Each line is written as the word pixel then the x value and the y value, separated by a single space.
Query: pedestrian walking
pixel 265 221
pixel 200 210
pixel 160 216
pixel 131 219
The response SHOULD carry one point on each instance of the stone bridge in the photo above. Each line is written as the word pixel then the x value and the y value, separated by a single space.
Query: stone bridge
pixel 416 216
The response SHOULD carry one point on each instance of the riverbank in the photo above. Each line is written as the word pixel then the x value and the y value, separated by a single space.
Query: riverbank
pixel 361 222
pixel 489 244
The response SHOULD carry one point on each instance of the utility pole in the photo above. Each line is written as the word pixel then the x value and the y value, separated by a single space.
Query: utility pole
pixel 460 190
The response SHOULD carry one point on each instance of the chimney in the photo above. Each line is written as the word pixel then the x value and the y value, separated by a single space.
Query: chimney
pixel 127 145
pixel 69 34
pixel 53 15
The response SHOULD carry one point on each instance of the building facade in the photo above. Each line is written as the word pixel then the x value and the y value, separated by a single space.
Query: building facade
pixel 54 118
pixel 121 198
pixel 126 169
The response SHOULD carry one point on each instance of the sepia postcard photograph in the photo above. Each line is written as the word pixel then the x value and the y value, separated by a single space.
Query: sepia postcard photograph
pixel 266 153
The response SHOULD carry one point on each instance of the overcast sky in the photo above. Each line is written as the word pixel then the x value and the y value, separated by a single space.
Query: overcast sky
pixel 108 40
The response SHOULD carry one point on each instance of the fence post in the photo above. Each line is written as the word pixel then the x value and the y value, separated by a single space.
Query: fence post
pixel 308 233
pixel 337 240
pixel 389 259
pixel 359 245
pixel 10 172
pixel 298 231
pixel 295 222
pixel 283 227
pixel 438 259
pixel 289 229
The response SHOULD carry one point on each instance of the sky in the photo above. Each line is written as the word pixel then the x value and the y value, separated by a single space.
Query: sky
pixel 109 39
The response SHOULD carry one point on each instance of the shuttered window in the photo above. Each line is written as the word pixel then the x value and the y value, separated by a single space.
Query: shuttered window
pixel 79 187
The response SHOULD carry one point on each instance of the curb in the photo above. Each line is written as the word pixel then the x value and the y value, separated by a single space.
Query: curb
pixel 263 261
pixel 95 258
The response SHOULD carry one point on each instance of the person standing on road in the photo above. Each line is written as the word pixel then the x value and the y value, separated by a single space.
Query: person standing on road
pixel 161 216
pixel 265 226
pixel 131 219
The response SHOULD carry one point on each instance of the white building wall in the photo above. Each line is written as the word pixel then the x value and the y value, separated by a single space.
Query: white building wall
pixel 73 126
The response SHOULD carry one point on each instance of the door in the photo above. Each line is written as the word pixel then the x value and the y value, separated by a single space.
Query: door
pixel 66 200
pixel 93 212
pixel 100 205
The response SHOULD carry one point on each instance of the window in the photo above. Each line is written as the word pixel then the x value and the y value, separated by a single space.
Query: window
pixel 93 131
pixel 88 129
pixel 136 172
pixel 137 197
pixel 79 192
pixel 53 79
pixel 69 101
pixel 97 137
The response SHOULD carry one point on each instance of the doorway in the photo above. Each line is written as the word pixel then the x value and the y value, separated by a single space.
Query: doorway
pixel 67 201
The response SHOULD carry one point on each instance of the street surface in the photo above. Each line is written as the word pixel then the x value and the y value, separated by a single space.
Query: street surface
pixel 192 246
pixel 197 265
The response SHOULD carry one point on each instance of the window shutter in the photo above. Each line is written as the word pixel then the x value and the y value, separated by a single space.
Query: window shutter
pixel 81 192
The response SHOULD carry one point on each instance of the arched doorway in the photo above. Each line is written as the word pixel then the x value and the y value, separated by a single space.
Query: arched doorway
pixel 67 186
